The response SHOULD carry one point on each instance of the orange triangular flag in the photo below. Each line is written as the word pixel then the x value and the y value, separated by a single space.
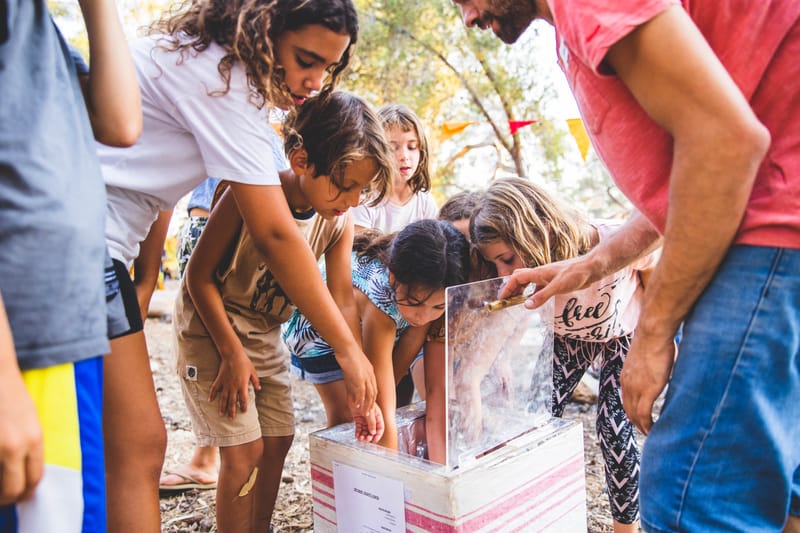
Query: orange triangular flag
pixel 277 126
pixel 515 125
pixel 578 131
pixel 451 128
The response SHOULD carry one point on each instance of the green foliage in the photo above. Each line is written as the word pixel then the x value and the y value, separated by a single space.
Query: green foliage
pixel 420 54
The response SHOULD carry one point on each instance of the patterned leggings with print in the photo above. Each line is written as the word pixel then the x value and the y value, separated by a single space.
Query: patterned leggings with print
pixel 614 431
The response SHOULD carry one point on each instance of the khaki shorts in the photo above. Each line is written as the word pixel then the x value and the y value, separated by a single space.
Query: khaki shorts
pixel 269 413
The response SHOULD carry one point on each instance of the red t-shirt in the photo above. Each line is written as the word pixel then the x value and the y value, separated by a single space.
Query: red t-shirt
pixel 759 44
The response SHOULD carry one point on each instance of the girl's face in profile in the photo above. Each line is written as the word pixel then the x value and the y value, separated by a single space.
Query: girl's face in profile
pixel 306 56
pixel 405 146
pixel 502 255
pixel 418 305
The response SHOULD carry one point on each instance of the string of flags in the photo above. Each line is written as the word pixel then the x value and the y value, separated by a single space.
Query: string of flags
pixel 575 126
pixel 449 129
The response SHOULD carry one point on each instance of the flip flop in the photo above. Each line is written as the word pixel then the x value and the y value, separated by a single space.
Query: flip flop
pixel 188 483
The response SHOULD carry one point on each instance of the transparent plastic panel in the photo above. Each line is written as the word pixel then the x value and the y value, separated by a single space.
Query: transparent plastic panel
pixel 500 374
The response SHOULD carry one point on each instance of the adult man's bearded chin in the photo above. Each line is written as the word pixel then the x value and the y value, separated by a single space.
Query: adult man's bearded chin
pixel 511 21
pixel 508 31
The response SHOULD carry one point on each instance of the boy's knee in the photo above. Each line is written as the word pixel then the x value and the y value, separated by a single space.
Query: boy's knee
pixel 249 483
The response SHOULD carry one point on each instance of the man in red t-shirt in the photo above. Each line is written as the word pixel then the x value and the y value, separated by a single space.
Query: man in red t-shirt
pixel 694 106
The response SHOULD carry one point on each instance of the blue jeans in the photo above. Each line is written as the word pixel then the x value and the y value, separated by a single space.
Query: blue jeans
pixel 724 454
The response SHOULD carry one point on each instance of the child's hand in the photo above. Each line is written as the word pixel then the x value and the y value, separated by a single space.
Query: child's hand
pixel 231 385
pixel 22 457
pixel 359 380
pixel 372 419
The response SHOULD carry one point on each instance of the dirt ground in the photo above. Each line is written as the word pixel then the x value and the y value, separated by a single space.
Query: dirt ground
pixel 195 510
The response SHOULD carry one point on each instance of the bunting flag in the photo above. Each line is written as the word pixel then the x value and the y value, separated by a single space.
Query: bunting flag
pixel 578 131
pixel 277 126
pixel 515 125
pixel 451 128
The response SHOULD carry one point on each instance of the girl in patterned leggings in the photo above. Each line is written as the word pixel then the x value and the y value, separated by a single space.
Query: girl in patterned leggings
pixel 517 225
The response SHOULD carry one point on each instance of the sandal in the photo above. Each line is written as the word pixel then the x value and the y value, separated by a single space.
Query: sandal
pixel 187 483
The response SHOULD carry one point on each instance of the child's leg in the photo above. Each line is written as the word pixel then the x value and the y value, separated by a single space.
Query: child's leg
pixel 239 440
pixel 276 419
pixel 571 358
pixel 618 439
pixel 326 375
pixel 203 468
pixel 270 472
pixel 236 496
pixel 135 437
pixel 334 398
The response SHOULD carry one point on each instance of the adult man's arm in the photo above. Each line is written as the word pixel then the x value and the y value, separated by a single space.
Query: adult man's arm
pixel 632 241
pixel 718 146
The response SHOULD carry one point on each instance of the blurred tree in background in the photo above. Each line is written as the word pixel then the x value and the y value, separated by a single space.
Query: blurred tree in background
pixel 420 54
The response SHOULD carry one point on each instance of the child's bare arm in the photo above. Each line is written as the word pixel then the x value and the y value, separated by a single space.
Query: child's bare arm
pixel 21 444
pixel 406 349
pixel 148 263
pixel 435 401
pixel 236 369
pixel 112 90
pixel 276 235
pixel 340 284
pixel 340 279
pixel 377 332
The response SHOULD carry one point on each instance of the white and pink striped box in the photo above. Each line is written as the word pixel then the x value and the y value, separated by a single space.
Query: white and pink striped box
pixel 532 483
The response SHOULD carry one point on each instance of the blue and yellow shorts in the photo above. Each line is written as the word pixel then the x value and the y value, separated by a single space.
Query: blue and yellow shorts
pixel 71 495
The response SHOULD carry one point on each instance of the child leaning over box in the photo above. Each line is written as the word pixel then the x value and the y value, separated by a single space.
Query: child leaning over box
pixel 232 362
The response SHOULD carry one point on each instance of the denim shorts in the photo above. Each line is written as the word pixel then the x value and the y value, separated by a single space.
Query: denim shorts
pixel 724 454
pixel 317 370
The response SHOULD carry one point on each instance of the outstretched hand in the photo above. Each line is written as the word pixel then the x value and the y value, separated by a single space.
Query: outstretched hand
pixel 372 419
pixel 555 278
pixel 362 389
pixel 645 373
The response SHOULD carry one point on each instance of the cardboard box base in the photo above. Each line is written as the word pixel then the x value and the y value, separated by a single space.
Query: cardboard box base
pixel 533 483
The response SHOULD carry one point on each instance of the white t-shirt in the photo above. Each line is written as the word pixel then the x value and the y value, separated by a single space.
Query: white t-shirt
pixel 389 217
pixel 188 135
pixel 607 309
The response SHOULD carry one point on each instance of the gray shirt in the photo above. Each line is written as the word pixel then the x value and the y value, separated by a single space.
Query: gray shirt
pixel 52 199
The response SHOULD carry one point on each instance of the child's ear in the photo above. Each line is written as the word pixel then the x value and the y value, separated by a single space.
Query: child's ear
pixel 298 160
pixel 391 279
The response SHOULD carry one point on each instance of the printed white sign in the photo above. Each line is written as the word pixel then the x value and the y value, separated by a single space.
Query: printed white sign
pixel 367 502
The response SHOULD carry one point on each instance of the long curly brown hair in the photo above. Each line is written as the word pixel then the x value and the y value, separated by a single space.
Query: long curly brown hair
pixel 248 29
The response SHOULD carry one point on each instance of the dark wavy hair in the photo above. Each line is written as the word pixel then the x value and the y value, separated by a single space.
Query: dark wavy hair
pixel 430 254
pixel 247 30
pixel 336 129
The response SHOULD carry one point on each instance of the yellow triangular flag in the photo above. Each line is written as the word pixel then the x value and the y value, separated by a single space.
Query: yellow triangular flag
pixel 451 128
pixel 578 131
pixel 277 126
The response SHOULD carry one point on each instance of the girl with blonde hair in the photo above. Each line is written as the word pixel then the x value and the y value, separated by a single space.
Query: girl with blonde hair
pixel 518 224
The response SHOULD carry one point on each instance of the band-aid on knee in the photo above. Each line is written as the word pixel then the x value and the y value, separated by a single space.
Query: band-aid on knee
pixel 248 486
